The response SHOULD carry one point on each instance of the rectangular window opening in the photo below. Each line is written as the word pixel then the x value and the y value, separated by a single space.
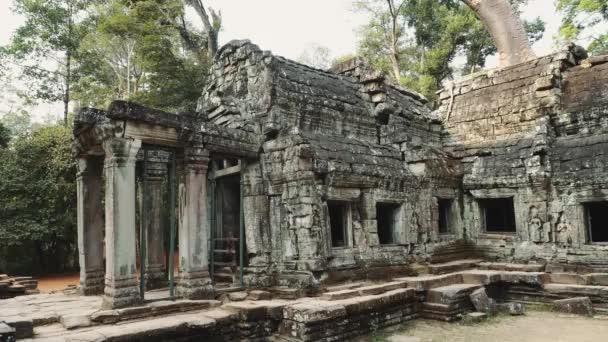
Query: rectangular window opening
pixel 445 213
pixel 386 217
pixel 338 220
pixel 498 215
pixel 597 221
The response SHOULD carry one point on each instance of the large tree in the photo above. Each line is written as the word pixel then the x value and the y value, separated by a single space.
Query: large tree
pixel 38 203
pixel 44 48
pixel 418 45
pixel 584 19
pixel 143 51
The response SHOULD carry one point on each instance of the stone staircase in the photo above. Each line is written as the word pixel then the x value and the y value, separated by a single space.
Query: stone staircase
pixel 340 313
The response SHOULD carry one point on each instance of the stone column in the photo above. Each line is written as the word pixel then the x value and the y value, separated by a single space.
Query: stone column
pixel 90 224
pixel 194 280
pixel 155 230
pixel 121 284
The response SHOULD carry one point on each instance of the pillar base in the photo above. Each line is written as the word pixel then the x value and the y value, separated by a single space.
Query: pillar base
pixel 195 285
pixel 91 283
pixel 155 277
pixel 124 293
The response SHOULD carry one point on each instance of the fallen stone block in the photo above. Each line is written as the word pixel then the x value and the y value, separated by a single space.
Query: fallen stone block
pixel 482 302
pixel 24 327
pixel 7 333
pixel 577 305
pixel 513 309
pixel 474 317
pixel 75 321
pixel 450 293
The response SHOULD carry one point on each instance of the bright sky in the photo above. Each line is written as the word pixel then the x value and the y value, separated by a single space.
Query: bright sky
pixel 289 27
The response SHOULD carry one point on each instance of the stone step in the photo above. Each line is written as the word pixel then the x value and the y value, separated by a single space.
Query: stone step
pixel 453 266
pixel 600 279
pixel 564 278
pixel 364 290
pixel 483 277
pixel 223 277
pixel 505 266
pixel 347 286
pixel 426 282
pixel 450 293
pixel 150 310
pixel 577 290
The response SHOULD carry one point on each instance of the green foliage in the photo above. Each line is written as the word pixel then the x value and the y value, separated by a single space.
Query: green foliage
pixel 38 202
pixel 44 46
pixel 431 34
pixel 135 52
pixel 5 136
pixel 585 18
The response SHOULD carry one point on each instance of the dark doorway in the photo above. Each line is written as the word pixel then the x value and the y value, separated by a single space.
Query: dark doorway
pixel 445 213
pixel 226 235
pixel 338 220
pixel 597 221
pixel 386 217
pixel 498 215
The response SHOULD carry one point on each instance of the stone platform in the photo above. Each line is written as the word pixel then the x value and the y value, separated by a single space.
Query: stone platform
pixel 339 313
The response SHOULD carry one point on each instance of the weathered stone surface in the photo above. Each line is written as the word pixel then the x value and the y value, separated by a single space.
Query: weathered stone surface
pixel 24 327
pixel 474 317
pixel 237 296
pixel 75 321
pixel 577 305
pixel 482 302
pixel 259 295
pixel 513 309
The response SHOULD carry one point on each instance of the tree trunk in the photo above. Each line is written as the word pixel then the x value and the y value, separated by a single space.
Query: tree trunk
pixel 66 96
pixel 506 30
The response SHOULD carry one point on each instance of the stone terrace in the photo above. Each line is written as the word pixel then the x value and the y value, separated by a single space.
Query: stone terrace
pixel 339 313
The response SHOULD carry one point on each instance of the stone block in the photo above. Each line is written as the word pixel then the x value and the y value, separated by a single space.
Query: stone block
pixel 259 295
pixel 430 281
pixel 237 296
pixel 7 333
pixel 450 293
pixel 474 317
pixel 75 321
pixel 484 277
pixel 482 302
pixel 24 327
pixel 564 278
pixel 337 295
pixel 577 305
pixel 600 279
pixel 513 309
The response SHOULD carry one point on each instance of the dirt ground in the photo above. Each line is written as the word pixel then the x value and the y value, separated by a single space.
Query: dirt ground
pixel 47 284
pixel 535 326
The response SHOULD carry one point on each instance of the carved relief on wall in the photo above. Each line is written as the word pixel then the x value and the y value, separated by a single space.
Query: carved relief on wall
pixel 536 226
pixel 563 230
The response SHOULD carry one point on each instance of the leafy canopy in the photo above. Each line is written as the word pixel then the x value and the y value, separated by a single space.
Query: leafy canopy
pixel 585 19
pixel 430 34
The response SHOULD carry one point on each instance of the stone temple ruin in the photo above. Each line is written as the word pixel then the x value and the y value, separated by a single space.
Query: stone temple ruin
pixel 345 198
